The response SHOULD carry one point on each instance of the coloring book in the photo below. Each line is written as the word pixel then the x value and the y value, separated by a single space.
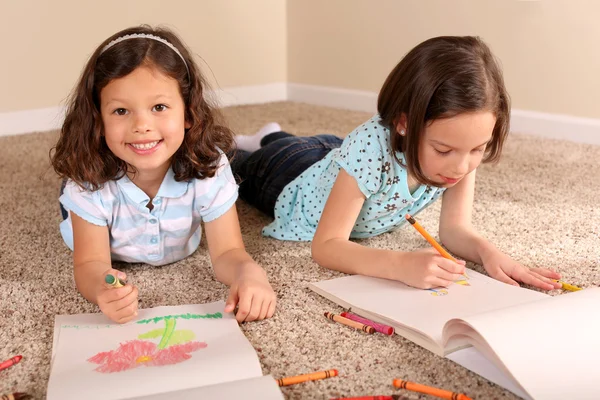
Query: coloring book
pixel 533 344
pixel 186 351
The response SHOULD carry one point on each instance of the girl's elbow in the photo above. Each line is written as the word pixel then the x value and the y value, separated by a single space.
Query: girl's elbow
pixel 317 252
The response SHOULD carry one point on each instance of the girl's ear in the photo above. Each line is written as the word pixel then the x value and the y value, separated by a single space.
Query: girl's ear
pixel 401 125
pixel 188 124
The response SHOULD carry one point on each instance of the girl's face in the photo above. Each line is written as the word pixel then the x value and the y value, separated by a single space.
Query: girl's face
pixel 453 147
pixel 144 119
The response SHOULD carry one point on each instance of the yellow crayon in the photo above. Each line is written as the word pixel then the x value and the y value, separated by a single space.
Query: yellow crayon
pixel 567 286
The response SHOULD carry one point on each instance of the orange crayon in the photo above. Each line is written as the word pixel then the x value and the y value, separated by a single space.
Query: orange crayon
pixel 315 376
pixel 10 362
pixel 392 397
pixel 417 387
pixel 350 323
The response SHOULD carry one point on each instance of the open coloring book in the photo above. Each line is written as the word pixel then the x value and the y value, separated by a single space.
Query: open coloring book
pixel 535 345
pixel 191 351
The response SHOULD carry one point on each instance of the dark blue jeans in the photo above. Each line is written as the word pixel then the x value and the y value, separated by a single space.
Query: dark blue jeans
pixel 263 174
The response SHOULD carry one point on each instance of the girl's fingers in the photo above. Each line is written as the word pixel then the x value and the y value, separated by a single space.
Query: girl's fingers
pixel 502 277
pixel 271 310
pixel 255 310
pixel 447 276
pixel 553 283
pixel 450 266
pixel 124 320
pixel 530 279
pixel 127 300
pixel 547 273
pixel 126 313
pixel 244 307
pixel 117 294
pixel 264 309
pixel 439 282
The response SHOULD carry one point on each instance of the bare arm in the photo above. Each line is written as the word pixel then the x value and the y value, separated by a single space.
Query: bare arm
pixel 456 230
pixel 249 286
pixel 226 248
pixel 459 236
pixel 91 256
pixel 331 247
pixel 91 262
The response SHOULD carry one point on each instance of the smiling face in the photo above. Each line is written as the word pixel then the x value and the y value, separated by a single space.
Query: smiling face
pixel 144 119
pixel 453 147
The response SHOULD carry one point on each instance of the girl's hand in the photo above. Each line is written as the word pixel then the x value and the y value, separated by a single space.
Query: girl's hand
pixel 502 267
pixel 118 304
pixel 253 295
pixel 426 269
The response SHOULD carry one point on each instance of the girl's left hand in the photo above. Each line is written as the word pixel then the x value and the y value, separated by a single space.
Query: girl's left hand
pixel 503 268
pixel 253 295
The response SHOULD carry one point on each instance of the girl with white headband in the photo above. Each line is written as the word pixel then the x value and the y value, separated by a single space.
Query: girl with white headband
pixel 142 156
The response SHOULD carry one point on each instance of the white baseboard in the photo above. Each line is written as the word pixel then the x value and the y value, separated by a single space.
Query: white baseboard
pixel 51 118
pixel 356 100
pixel 26 121
pixel 555 126
pixel 257 94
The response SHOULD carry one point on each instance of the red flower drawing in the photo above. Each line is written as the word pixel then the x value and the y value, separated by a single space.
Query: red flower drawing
pixel 137 353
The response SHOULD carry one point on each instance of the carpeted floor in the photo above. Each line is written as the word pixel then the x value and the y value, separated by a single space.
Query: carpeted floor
pixel 539 205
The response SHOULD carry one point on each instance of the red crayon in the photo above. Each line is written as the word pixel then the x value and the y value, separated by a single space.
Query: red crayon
pixel 10 362
pixel 387 330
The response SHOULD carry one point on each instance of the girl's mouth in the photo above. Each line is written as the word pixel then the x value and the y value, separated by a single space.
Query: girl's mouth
pixel 145 148
pixel 450 180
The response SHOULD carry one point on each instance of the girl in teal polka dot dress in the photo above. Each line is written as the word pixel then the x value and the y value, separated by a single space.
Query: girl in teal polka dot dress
pixel 442 111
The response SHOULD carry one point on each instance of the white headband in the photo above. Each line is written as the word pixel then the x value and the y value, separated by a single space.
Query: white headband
pixel 145 36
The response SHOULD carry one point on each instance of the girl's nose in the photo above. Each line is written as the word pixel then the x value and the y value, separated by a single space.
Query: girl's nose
pixel 462 168
pixel 141 123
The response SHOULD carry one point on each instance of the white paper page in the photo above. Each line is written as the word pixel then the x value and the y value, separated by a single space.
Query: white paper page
pixel 424 310
pixel 473 360
pixel 263 388
pixel 551 347
pixel 215 348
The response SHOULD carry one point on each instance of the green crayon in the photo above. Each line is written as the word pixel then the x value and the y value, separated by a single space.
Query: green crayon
pixel 112 280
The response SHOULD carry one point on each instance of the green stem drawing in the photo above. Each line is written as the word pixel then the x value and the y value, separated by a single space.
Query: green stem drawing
pixel 169 329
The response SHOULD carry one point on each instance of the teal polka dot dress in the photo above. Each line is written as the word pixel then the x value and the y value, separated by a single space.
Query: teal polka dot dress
pixel 366 155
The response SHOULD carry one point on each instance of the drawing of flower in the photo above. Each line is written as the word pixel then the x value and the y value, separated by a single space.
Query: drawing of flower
pixel 137 353
pixel 174 346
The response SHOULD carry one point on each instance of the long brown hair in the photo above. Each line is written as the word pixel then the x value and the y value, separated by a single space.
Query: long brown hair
pixel 81 153
pixel 441 78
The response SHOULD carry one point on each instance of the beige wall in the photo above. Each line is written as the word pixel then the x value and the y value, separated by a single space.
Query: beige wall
pixel 550 49
pixel 45 44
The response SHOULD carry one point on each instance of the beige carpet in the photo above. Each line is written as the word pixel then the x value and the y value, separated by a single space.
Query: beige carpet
pixel 539 205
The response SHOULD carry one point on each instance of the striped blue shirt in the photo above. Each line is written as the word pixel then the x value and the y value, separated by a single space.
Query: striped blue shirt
pixel 169 232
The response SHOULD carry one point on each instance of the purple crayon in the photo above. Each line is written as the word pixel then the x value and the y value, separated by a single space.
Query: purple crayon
pixel 387 330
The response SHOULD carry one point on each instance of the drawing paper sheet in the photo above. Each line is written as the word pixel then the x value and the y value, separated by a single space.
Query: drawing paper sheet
pixel 423 310
pixel 263 388
pixel 215 348
pixel 551 347
pixel 473 360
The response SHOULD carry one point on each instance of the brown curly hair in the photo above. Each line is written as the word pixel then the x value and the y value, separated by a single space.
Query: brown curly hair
pixel 441 78
pixel 81 153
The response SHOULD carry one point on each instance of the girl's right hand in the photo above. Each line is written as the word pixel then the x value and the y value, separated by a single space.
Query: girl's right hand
pixel 426 269
pixel 118 304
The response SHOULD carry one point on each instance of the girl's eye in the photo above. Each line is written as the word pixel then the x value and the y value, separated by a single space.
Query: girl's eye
pixel 120 111
pixel 443 152
pixel 159 107
pixel 479 150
